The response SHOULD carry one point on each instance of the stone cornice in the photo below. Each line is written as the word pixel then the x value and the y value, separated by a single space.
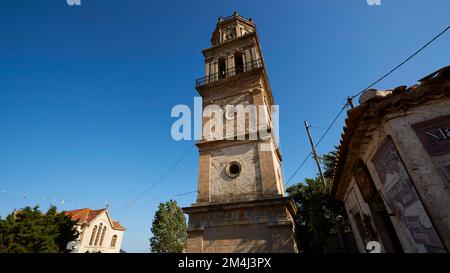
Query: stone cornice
pixel 227 43
pixel 210 207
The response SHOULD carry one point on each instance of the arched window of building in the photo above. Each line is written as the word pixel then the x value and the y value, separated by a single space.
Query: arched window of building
pixel 97 237
pixel 103 236
pixel 92 236
pixel 222 68
pixel 238 62
pixel 113 241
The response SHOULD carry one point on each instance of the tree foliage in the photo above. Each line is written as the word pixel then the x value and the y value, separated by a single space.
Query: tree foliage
pixel 31 231
pixel 169 229
pixel 328 161
pixel 318 211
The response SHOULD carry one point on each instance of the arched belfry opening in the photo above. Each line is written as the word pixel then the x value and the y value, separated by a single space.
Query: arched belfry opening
pixel 222 68
pixel 238 62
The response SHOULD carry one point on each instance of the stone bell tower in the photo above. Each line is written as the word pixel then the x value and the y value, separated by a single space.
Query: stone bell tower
pixel 240 205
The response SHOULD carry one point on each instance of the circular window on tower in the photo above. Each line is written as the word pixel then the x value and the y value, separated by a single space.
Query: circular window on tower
pixel 233 169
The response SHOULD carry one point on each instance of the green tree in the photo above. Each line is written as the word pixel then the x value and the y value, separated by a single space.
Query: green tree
pixel 31 231
pixel 318 211
pixel 328 160
pixel 169 229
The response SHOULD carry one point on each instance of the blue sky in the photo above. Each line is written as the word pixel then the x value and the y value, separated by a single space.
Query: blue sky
pixel 86 92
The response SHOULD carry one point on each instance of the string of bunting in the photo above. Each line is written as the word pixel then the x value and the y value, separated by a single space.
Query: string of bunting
pixel 61 201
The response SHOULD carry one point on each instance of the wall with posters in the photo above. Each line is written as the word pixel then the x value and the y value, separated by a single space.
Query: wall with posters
pixel 395 149
pixel 435 137
pixel 401 196
pixel 421 137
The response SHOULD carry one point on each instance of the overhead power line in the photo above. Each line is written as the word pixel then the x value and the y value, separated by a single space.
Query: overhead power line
pixel 160 179
pixel 317 144
pixel 331 125
pixel 349 102
pixel 402 63
pixel 298 169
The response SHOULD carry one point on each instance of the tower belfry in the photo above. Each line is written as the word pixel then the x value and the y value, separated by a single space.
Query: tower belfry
pixel 240 205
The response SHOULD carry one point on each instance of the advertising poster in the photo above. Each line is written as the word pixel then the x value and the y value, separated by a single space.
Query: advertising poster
pixel 403 198
pixel 435 137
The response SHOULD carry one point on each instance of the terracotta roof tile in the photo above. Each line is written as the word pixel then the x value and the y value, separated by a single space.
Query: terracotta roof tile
pixel 78 215
pixel 359 119
pixel 86 215
pixel 117 225
pixel 92 214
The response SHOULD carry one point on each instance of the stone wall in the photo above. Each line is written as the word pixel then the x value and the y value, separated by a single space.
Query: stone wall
pixel 431 187
pixel 223 187
pixel 261 226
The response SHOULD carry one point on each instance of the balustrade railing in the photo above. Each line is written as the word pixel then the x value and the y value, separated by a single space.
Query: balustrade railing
pixel 232 71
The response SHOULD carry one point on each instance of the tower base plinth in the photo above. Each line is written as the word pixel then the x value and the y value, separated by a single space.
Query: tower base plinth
pixel 261 226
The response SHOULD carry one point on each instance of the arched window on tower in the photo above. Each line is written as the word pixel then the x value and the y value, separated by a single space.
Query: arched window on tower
pixel 97 237
pixel 222 68
pixel 238 62
pixel 91 241
pixel 103 236
pixel 113 241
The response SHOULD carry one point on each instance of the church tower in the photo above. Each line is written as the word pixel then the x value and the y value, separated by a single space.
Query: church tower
pixel 240 205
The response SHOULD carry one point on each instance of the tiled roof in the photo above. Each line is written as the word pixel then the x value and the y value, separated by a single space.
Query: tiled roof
pixel 117 225
pixel 86 215
pixel 362 119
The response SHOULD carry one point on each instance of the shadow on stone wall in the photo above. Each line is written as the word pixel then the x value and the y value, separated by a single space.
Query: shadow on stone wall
pixel 248 239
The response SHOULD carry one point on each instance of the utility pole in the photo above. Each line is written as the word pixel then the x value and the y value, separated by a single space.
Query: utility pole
pixel 333 216
pixel 316 158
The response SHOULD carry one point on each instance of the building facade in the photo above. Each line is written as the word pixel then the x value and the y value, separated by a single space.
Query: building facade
pixel 97 232
pixel 393 167
pixel 240 205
